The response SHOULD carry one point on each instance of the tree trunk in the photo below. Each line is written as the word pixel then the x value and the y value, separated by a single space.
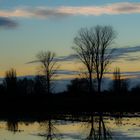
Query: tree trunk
pixel 90 83
pixel 48 90
pixel 99 86
pixel 48 84
pixel 100 127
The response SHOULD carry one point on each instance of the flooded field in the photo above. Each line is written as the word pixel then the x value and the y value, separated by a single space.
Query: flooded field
pixel 96 128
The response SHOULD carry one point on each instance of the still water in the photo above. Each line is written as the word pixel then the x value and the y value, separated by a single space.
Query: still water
pixel 126 128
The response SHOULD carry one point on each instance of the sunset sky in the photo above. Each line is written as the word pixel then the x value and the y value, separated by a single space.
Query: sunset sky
pixel 29 26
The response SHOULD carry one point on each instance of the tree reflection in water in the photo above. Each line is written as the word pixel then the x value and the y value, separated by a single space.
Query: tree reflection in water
pixel 97 127
pixel 118 118
pixel 98 130
pixel 50 131
pixel 12 125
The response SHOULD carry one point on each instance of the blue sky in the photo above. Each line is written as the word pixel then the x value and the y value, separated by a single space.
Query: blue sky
pixel 29 26
pixel 9 3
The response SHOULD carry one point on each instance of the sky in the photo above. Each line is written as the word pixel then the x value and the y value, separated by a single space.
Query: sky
pixel 30 26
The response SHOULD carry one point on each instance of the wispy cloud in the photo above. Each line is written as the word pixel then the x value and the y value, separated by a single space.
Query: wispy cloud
pixel 70 57
pixel 47 12
pixel 7 23
pixel 67 72
pixel 124 53
pixel 118 53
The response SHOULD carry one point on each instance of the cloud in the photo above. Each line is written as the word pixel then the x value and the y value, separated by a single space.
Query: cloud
pixel 118 53
pixel 109 9
pixel 47 12
pixel 67 72
pixel 128 50
pixel 7 23
pixel 34 61
pixel 70 57
pixel 128 74
pixel 125 52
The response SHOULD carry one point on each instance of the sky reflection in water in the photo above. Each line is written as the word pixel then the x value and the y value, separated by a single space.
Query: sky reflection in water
pixel 127 129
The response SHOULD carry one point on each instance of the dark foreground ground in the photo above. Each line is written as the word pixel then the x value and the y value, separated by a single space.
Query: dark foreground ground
pixel 66 103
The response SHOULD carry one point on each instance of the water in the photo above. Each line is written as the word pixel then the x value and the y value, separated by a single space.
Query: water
pixel 126 128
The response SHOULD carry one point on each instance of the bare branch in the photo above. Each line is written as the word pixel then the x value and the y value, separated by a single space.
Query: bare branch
pixel 48 67
pixel 92 47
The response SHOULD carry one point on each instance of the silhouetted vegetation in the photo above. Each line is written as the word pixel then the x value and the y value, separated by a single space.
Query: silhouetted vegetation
pixel 119 85
pixel 10 81
pixel 30 94
pixel 93 49
pixel 25 86
pixel 39 84
pixel 48 68
pixel 78 86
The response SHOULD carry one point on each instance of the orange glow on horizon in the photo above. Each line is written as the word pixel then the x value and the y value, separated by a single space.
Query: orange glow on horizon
pixel 31 69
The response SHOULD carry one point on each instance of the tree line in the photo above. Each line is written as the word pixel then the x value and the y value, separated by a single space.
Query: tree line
pixel 93 46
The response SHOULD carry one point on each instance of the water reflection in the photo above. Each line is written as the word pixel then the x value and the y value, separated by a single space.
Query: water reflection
pixel 12 125
pixel 50 130
pixel 118 118
pixel 98 129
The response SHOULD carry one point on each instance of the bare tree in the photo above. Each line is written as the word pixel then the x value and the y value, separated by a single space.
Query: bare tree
pixel 116 80
pixel 10 81
pixel 93 49
pixel 48 67
pixel 120 85
pixel 83 49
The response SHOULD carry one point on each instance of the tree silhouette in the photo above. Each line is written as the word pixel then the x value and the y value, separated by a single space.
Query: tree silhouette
pixel 10 81
pixel 83 48
pixel 25 86
pixel 93 49
pixel 125 85
pixel 135 90
pixel 48 68
pixel 116 80
pixel 78 85
pixel 119 85
pixel 39 86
